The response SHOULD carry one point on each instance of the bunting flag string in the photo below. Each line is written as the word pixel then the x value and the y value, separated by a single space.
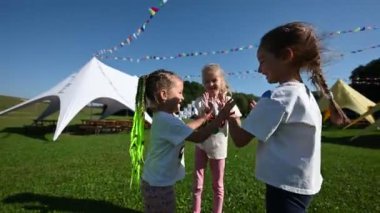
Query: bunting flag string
pixel 236 74
pixel 366 79
pixel 152 11
pixel 366 83
pixel 206 53
pixel 181 55
pixel 355 30
pixel 364 49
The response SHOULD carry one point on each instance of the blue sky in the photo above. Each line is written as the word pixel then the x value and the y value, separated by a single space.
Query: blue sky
pixel 44 41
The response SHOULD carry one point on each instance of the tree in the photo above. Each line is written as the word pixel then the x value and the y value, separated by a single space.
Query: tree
pixel 366 80
pixel 242 100
pixel 191 91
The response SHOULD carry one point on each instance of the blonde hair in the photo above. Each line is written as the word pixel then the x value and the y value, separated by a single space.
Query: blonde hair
pixel 216 68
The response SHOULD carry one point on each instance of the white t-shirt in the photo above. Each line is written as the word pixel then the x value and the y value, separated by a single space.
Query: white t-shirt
pixel 164 164
pixel 215 146
pixel 288 124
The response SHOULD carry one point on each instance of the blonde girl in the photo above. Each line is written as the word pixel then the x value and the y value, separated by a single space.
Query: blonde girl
pixel 214 148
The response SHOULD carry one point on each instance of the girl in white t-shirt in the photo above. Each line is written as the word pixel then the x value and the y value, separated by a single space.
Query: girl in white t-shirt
pixel 287 121
pixel 214 148
pixel 164 164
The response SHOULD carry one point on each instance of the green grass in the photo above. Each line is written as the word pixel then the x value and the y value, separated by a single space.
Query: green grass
pixel 90 173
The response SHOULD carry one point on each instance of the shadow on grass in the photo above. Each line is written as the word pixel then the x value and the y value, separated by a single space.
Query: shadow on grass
pixel 26 131
pixel 48 203
pixel 367 141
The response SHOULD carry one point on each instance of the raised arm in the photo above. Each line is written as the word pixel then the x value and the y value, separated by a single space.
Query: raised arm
pixel 198 122
pixel 240 137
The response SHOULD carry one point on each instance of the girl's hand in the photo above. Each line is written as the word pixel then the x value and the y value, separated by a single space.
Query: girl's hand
pixel 225 112
pixel 252 104
pixel 206 102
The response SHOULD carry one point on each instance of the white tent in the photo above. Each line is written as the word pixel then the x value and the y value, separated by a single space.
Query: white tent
pixel 95 82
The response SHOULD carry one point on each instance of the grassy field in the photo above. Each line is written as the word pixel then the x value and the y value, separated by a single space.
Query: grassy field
pixel 90 173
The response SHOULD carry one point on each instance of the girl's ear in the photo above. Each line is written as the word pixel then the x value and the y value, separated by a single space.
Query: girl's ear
pixel 288 55
pixel 163 95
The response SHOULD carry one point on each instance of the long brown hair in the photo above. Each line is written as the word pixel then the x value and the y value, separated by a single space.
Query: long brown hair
pixel 305 44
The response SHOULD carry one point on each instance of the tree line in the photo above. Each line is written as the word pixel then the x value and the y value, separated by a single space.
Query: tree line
pixel 366 80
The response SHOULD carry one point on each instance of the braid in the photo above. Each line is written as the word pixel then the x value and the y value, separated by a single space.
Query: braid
pixel 337 115
pixel 136 149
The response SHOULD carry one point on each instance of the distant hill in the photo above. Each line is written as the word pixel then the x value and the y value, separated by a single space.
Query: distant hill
pixel 8 101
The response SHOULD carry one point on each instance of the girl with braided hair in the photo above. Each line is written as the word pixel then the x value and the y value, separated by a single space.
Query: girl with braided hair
pixel 164 165
pixel 287 120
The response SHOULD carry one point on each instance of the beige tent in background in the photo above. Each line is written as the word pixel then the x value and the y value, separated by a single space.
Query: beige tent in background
pixel 369 112
pixel 348 98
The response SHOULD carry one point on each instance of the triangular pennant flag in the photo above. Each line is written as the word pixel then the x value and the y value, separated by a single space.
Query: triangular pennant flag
pixel 153 10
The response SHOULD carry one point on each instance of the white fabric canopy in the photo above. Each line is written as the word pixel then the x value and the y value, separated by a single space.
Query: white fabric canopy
pixel 95 82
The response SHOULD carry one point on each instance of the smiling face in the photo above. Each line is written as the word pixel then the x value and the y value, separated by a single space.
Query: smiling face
pixel 275 69
pixel 213 82
pixel 172 97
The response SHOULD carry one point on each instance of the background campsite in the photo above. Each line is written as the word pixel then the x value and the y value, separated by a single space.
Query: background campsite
pixel 53 159
pixel 90 173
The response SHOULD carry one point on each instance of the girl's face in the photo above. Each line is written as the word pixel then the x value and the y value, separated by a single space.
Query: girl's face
pixel 271 66
pixel 172 97
pixel 212 81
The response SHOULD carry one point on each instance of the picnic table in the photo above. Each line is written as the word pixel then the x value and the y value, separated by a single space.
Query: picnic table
pixel 100 126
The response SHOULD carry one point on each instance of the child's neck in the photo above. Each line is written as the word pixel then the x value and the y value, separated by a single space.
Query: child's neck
pixel 289 80
pixel 164 109
pixel 293 77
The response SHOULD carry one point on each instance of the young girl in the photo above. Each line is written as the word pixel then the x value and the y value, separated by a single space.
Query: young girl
pixel 164 164
pixel 214 149
pixel 287 121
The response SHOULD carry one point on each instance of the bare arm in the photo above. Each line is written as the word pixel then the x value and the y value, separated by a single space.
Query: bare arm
pixel 240 137
pixel 196 123
pixel 201 134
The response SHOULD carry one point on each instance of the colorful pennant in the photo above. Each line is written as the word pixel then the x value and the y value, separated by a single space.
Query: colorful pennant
pixel 153 10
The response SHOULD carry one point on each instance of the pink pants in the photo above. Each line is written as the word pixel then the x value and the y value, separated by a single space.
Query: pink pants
pixel 217 172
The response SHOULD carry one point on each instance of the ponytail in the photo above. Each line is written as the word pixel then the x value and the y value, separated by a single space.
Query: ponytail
pixel 337 116
pixel 136 149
